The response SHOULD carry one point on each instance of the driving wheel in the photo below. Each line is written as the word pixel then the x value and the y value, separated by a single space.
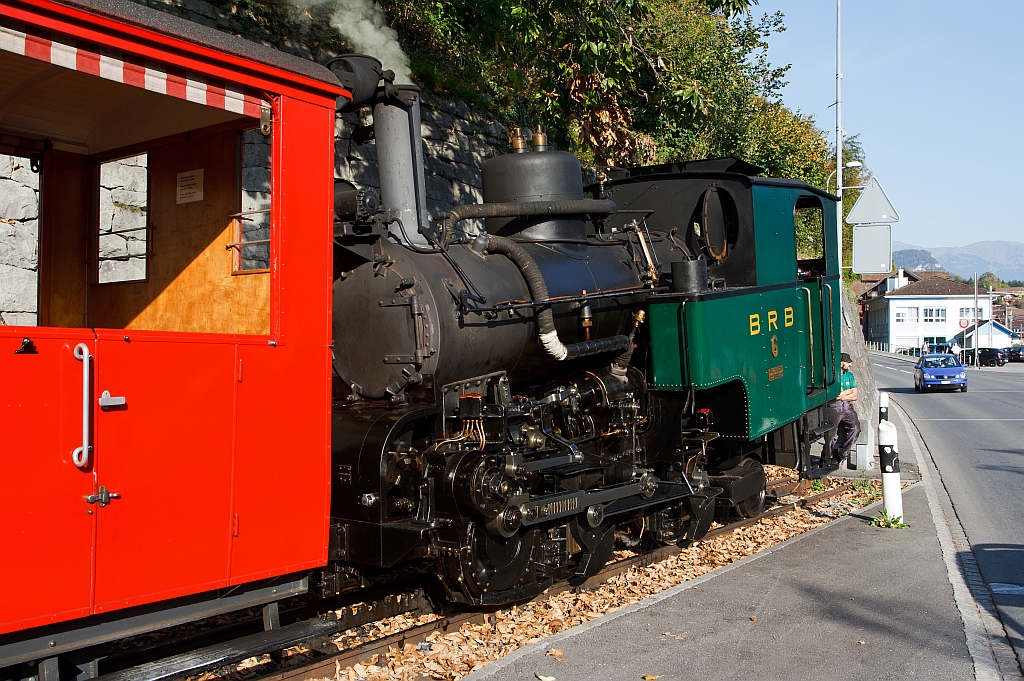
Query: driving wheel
pixel 752 506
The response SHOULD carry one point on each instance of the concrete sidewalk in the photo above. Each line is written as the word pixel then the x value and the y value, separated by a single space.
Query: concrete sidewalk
pixel 845 600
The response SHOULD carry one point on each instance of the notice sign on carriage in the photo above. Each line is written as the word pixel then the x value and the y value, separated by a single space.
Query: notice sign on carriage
pixel 190 186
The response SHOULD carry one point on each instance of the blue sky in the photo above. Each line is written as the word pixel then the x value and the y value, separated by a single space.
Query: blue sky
pixel 934 89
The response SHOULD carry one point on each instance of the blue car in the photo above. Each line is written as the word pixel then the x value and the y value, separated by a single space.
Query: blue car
pixel 939 371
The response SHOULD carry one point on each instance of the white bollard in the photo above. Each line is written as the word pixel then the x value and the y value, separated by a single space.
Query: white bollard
pixel 883 407
pixel 889 462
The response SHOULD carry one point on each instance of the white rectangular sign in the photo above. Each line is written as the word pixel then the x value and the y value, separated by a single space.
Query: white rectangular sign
pixel 190 186
pixel 872 249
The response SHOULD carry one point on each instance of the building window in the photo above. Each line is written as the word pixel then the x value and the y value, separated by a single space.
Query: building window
pixel 906 314
pixel 965 313
pixel 935 314
pixel 123 224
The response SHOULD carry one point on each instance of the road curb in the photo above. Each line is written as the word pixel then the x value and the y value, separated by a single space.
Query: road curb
pixel 987 643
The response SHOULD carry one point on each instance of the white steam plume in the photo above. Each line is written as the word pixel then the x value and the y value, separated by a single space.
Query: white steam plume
pixel 362 23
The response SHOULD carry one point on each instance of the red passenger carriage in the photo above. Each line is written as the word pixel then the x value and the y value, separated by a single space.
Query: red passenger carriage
pixel 167 423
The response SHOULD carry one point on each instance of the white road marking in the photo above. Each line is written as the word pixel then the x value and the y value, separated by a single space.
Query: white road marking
pixel 969 419
pixel 904 371
pixel 1007 589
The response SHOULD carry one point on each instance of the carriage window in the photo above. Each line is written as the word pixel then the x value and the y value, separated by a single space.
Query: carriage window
pixel 809 224
pixel 19 244
pixel 252 223
pixel 123 220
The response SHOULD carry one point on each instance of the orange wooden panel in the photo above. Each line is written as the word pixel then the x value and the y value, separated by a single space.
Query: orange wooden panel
pixel 67 202
pixel 189 286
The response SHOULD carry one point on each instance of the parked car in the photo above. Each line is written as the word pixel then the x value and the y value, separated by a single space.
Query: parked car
pixel 992 357
pixel 989 357
pixel 939 371
pixel 1014 355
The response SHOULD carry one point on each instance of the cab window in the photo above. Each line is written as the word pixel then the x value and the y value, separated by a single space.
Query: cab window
pixel 809 227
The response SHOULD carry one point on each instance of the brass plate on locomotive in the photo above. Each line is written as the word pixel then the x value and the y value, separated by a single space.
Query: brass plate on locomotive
pixel 775 373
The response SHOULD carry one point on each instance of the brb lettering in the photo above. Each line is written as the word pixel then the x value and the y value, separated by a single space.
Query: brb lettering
pixel 773 321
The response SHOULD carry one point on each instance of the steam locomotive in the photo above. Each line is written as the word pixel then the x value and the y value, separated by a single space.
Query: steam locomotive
pixel 599 362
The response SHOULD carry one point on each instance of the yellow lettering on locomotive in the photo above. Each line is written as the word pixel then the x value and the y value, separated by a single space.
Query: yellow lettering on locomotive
pixel 755 324
pixel 788 316
pixel 773 320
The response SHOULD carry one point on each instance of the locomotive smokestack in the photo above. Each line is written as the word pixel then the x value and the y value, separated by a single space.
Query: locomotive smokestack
pixel 396 127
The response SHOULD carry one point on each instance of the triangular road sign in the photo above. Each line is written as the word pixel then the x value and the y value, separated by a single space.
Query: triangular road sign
pixel 873 206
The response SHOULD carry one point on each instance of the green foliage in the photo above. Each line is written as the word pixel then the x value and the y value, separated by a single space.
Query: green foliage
pixel 818 486
pixel 620 82
pixel 888 521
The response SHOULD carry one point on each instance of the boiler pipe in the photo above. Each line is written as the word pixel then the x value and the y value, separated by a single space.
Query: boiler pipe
pixel 514 209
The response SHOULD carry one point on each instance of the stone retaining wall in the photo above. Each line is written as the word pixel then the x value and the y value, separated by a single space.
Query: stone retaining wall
pixel 19 244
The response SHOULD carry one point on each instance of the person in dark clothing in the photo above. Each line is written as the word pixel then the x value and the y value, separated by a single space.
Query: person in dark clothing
pixel 844 433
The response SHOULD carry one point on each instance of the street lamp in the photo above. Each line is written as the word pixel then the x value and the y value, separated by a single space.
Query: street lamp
pixel 851 164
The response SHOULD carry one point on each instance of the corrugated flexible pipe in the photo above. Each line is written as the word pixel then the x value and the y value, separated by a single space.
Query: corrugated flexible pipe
pixel 545 319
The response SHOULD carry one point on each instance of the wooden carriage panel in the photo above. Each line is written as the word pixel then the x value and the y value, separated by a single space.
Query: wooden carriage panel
pixel 190 287
pixel 67 203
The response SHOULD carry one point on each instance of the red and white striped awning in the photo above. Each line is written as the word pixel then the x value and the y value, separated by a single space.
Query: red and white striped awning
pixel 163 79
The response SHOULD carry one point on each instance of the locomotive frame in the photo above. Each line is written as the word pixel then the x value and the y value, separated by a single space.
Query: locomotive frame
pixel 599 364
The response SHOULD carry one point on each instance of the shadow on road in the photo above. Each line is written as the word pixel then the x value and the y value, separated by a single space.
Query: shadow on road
pixel 995 559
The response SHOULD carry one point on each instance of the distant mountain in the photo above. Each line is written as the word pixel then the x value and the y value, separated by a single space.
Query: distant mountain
pixel 1005 259
pixel 904 246
pixel 915 260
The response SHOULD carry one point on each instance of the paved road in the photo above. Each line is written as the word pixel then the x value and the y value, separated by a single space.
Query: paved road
pixel 977 442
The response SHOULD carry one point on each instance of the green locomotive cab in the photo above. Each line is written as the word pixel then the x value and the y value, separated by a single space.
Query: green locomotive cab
pixel 757 346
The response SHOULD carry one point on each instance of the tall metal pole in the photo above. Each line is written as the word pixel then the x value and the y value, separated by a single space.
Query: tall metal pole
pixel 839 132
pixel 977 320
pixel 991 316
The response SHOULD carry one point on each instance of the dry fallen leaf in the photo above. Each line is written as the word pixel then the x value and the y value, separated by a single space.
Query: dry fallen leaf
pixel 556 652
pixel 544 678
pixel 651 677
pixel 753 618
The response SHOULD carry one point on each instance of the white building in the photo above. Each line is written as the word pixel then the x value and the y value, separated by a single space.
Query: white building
pixel 931 310
pixel 990 334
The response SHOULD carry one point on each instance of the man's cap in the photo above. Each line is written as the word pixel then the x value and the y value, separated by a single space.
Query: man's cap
pixel 845 357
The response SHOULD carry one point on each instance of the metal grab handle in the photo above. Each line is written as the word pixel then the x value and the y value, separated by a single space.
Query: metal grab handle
pixel 830 362
pixel 107 400
pixel 81 454
pixel 810 331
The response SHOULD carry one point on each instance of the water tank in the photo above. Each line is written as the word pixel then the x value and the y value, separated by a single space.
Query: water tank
pixel 538 175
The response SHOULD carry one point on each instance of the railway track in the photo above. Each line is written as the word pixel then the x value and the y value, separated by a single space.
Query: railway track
pixel 317 634
pixel 328 666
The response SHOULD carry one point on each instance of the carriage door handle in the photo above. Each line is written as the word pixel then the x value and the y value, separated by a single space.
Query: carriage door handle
pixel 80 456
pixel 107 401
pixel 103 497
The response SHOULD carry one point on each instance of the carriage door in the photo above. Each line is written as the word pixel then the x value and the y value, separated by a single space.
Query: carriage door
pixel 47 474
pixel 44 389
pixel 818 295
